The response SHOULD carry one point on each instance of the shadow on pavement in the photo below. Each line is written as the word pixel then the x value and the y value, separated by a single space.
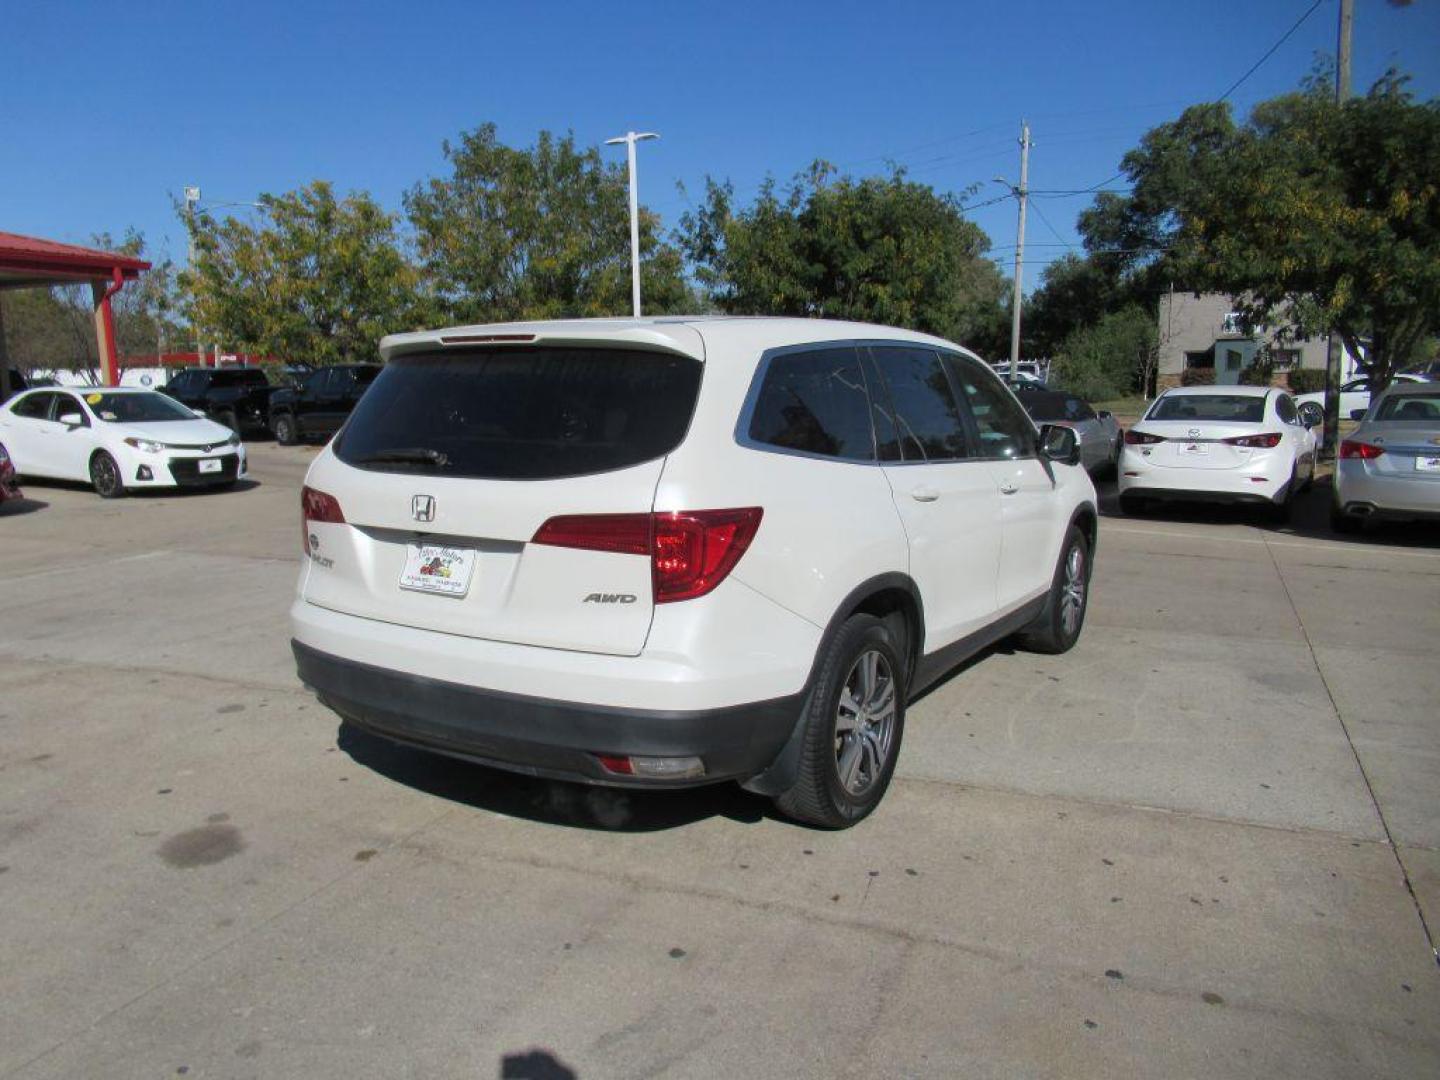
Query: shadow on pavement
pixel 16 507
pixel 535 1065
pixel 549 802
pixel 1309 518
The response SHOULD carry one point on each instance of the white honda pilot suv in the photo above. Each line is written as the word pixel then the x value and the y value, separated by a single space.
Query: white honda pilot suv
pixel 674 551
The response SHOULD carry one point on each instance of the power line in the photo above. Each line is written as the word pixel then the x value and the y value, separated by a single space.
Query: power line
pixel 1271 51
pixel 1053 231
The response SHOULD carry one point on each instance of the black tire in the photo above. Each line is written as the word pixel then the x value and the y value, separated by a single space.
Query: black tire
pixel 105 476
pixel 1133 505
pixel 284 428
pixel 820 796
pixel 1058 627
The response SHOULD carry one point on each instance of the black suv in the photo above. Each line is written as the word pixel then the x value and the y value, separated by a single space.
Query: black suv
pixel 320 403
pixel 239 398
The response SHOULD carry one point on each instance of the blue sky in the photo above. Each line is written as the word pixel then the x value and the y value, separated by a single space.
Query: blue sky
pixel 108 110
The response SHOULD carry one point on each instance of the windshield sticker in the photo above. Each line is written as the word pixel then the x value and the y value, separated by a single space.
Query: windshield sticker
pixel 93 399
pixel 107 415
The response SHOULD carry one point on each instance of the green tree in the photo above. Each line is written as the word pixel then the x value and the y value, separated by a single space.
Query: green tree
pixel 1323 214
pixel 1105 359
pixel 1074 293
pixel 535 233
pixel 320 279
pixel 884 250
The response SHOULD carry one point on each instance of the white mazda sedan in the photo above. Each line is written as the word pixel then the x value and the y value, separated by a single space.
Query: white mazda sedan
pixel 1236 444
pixel 117 439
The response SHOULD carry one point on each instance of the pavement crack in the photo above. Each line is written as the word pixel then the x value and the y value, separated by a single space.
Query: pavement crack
pixel 1359 763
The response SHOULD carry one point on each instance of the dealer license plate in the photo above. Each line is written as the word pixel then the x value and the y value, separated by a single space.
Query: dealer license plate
pixel 213 464
pixel 436 568
pixel 1427 464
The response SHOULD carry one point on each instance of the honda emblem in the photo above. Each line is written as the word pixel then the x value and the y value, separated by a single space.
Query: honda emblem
pixel 422 507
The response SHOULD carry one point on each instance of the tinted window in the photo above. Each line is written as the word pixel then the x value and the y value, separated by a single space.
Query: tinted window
pixel 366 375
pixel 1285 408
pixel 815 402
pixel 1233 408
pixel 35 406
pixel 926 416
pixel 522 414
pixel 1046 408
pixel 238 377
pixel 65 404
pixel 1004 429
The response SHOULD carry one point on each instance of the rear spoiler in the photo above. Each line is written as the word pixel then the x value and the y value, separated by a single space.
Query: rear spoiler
pixel 676 337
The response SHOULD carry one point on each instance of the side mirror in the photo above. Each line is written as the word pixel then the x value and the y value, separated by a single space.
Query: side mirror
pixel 200 414
pixel 1311 414
pixel 72 419
pixel 1358 414
pixel 1060 444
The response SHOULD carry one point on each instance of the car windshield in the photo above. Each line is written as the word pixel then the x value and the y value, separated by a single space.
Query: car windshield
pixel 1227 408
pixel 531 414
pixel 1414 408
pixel 141 408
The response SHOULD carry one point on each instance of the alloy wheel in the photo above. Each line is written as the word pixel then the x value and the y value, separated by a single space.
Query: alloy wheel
pixel 1072 591
pixel 865 722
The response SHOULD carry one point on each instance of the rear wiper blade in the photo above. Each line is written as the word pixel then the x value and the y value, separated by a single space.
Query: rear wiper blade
pixel 419 455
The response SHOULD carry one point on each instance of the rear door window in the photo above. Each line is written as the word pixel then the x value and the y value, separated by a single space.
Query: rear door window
pixel 927 417
pixel 522 414
pixel 1005 431
pixel 814 402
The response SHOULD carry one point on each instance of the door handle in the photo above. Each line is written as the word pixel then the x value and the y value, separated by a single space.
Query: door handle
pixel 1008 487
pixel 924 494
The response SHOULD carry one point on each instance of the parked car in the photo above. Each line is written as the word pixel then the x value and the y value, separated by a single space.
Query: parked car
pixel 1354 395
pixel 556 548
pixel 9 489
pixel 1425 371
pixel 1243 444
pixel 1389 467
pixel 1099 433
pixel 319 404
pixel 117 440
pixel 239 398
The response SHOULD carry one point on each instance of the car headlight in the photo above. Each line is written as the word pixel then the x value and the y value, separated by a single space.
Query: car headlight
pixel 233 440
pixel 148 446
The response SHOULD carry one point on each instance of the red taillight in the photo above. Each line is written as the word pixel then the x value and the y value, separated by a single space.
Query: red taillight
pixel 1362 450
pixel 1141 438
pixel 317 506
pixel 690 551
pixel 1267 441
pixel 623 534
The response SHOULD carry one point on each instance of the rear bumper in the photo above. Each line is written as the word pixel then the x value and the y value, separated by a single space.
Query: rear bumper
pixel 1362 492
pixel 1267 480
pixel 545 737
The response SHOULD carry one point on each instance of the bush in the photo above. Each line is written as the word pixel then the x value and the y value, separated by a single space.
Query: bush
pixel 1307 380
pixel 1255 375
pixel 1101 362
pixel 1197 376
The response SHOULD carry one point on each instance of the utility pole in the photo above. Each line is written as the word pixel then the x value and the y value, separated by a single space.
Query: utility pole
pixel 1334 354
pixel 630 138
pixel 1021 194
pixel 192 197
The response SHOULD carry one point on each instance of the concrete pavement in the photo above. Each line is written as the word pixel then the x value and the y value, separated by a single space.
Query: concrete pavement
pixel 1167 853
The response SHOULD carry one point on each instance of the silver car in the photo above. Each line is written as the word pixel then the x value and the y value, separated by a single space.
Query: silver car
pixel 1099 432
pixel 1389 467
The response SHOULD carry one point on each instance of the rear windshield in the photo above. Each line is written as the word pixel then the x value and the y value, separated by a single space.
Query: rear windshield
pixel 522 414
pixel 1045 407
pixel 1231 408
pixel 1421 408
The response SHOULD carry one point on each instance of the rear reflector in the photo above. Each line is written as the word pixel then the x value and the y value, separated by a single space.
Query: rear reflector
pixel 654 768
pixel 1141 438
pixel 690 551
pixel 1259 442
pixel 317 506
pixel 1350 448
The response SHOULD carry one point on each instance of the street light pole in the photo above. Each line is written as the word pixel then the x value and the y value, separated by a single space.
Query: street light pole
pixel 1021 193
pixel 192 197
pixel 1334 353
pixel 630 138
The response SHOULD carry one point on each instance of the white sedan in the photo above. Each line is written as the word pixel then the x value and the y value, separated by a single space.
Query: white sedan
pixel 1243 444
pixel 117 439
pixel 1354 395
